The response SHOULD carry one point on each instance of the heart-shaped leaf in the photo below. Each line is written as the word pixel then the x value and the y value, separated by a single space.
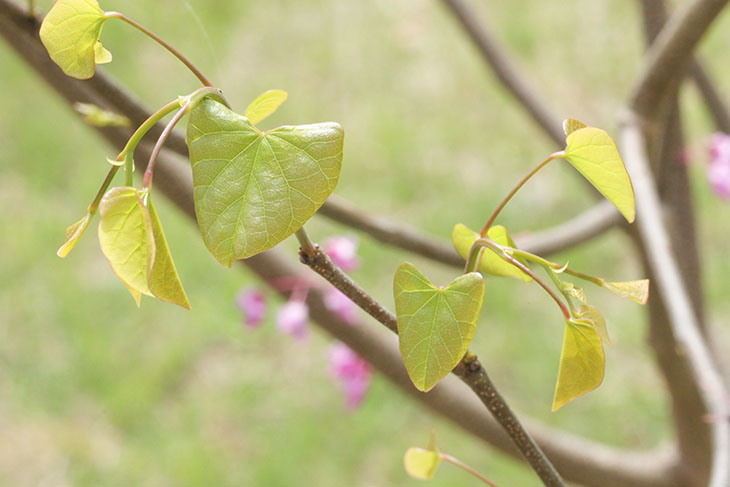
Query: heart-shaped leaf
pixel 264 105
pixel 592 152
pixel 253 189
pixel 463 238
pixel 164 281
pixel 435 324
pixel 582 363
pixel 126 238
pixel 70 32
pixel 73 234
pixel 634 290
pixel 420 463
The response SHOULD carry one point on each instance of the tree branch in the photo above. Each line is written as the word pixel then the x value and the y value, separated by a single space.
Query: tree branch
pixel 505 71
pixel 671 53
pixel 668 283
pixel 581 460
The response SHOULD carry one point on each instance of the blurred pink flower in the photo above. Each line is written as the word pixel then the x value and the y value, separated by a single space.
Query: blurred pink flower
pixel 718 172
pixel 292 319
pixel 352 372
pixel 252 303
pixel 341 305
pixel 343 252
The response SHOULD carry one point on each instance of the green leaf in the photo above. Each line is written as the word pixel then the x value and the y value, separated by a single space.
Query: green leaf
pixel 98 117
pixel 73 234
pixel 593 317
pixel 253 189
pixel 570 125
pixel 592 152
pixel 264 105
pixel 420 463
pixel 435 324
pixel 463 238
pixel 582 363
pixel 70 32
pixel 126 238
pixel 164 281
pixel 634 290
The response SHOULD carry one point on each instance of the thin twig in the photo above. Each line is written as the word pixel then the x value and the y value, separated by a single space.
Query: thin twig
pixel 473 374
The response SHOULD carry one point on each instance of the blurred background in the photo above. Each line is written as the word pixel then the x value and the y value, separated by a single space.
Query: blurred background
pixel 94 391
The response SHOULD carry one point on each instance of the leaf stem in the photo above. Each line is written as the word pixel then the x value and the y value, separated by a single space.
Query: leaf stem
pixel 495 213
pixel 504 254
pixel 546 263
pixel 305 243
pixel 163 43
pixel 149 172
pixel 104 185
pixel 455 461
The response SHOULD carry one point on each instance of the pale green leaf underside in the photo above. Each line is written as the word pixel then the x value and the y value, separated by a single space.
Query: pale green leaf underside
pixel 73 234
pixel 435 325
pixel 592 152
pixel 264 105
pixel 164 281
pixel 463 238
pixel 126 238
pixel 70 32
pixel 253 189
pixel 420 463
pixel 582 363
pixel 634 290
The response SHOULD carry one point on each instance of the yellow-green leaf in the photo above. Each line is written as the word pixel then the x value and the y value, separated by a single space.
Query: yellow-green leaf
pixel 634 290
pixel 463 238
pixel 582 363
pixel 592 152
pixel 435 324
pixel 101 54
pixel 73 234
pixel 70 32
pixel 574 292
pixel 593 317
pixel 164 281
pixel 570 125
pixel 253 189
pixel 126 238
pixel 264 105
pixel 420 463
pixel 98 117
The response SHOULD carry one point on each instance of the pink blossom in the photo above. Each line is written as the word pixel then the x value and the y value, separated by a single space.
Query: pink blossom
pixel 292 319
pixel 341 305
pixel 252 303
pixel 343 252
pixel 352 372
pixel 718 172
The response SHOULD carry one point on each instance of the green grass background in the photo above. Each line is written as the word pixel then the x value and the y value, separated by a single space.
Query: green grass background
pixel 95 392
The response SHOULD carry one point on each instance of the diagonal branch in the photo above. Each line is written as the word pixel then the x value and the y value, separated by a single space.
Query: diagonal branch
pixel 671 54
pixel 505 71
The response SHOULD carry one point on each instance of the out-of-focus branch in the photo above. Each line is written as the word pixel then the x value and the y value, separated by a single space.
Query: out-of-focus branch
pixel 582 461
pixel 668 283
pixel 713 99
pixel 581 228
pixel 671 53
pixel 505 71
